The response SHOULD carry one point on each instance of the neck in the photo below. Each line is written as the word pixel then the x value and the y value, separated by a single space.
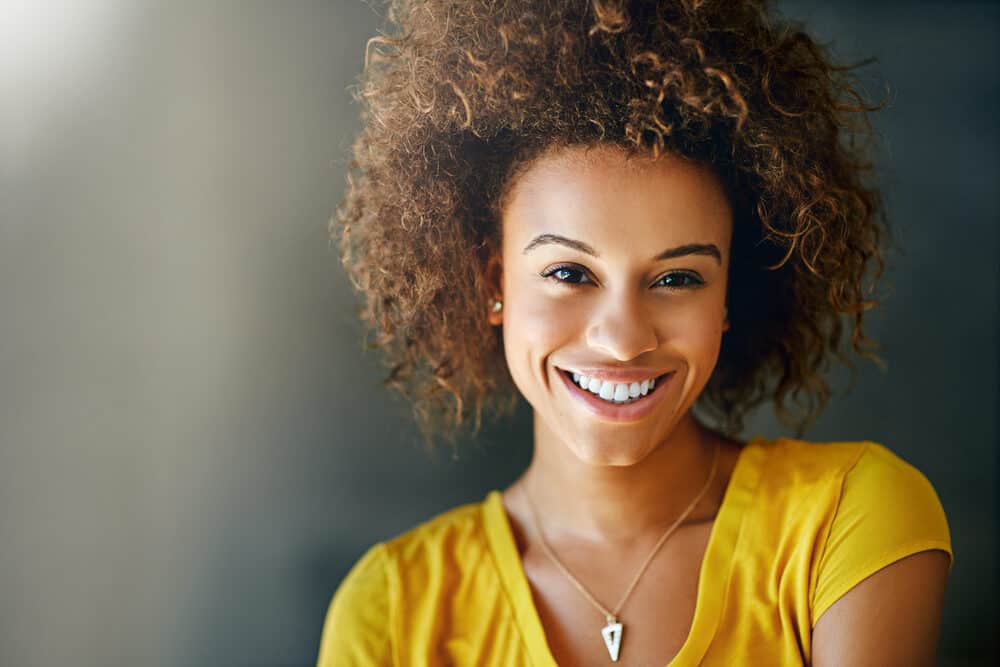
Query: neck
pixel 581 501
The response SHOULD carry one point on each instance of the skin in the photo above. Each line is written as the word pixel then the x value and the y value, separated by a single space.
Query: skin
pixel 605 492
pixel 891 618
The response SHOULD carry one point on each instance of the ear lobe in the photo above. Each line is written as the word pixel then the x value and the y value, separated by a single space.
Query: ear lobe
pixel 495 317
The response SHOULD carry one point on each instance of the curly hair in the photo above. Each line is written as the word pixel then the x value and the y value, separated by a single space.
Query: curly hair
pixel 465 95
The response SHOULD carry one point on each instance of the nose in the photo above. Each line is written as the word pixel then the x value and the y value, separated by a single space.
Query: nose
pixel 622 329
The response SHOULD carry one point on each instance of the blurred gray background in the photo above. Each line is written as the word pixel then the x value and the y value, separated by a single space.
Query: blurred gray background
pixel 193 447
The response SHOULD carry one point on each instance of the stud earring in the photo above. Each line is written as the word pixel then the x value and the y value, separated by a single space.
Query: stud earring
pixel 497 306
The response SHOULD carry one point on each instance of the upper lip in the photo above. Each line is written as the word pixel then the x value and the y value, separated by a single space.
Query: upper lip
pixel 622 375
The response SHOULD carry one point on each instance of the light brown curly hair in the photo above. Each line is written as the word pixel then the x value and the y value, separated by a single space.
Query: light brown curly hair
pixel 465 95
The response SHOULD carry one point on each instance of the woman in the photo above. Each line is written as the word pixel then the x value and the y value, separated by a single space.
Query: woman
pixel 645 218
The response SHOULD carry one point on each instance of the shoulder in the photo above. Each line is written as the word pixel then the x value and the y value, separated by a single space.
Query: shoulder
pixel 834 513
pixel 355 630
pixel 882 487
pixel 797 484
pixel 444 537
pixel 849 473
pixel 887 509
pixel 806 461
pixel 866 506
pixel 361 619
pixel 454 531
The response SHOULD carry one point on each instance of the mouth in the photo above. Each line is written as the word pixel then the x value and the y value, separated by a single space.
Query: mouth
pixel 617 401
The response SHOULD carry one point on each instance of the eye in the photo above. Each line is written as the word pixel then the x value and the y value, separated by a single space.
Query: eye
pixel 680 280
pixel 567 274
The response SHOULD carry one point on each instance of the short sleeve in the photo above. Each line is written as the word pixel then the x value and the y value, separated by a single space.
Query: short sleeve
pixel 356 629
pixel 887 510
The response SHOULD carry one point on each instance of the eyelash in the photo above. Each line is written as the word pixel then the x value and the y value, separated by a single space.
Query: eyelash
pixel 695 283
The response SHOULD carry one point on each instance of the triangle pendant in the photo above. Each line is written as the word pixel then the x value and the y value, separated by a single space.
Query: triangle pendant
pixel 612 633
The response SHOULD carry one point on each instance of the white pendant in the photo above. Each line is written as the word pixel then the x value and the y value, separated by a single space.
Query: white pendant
pixel 612 633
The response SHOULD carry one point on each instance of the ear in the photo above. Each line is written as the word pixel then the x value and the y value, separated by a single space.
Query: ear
pixel 494 281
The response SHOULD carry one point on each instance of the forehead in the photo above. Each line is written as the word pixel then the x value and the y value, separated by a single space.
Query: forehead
pixel 602 195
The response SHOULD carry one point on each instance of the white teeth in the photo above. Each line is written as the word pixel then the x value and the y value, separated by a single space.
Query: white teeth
pixel 613 391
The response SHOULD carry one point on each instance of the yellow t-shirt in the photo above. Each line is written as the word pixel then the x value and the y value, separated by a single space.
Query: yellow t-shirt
pixel 800 524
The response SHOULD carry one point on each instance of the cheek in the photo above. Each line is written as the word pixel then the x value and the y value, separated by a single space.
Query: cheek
pixel 536 325
pixel 696 333
pixel 540 323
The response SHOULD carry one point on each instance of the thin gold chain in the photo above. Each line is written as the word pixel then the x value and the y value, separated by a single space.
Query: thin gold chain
pixel 612 615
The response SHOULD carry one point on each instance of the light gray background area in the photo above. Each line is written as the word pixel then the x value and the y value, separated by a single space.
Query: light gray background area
pixel 193 448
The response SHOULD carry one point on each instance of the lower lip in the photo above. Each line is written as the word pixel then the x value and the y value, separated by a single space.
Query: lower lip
pixel 626 412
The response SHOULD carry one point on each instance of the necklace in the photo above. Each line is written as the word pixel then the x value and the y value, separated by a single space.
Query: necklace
pixel 612 632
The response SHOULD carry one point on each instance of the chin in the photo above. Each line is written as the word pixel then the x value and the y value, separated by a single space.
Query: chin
pixel 607 452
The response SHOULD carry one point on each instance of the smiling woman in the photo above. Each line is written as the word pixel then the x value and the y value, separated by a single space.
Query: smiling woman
pixel 636 296
pixel 644 218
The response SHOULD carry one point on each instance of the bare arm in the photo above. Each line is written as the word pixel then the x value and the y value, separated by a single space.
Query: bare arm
pixel 891 618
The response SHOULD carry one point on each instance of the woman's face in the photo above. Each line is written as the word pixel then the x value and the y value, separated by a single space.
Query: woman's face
pixel 615 271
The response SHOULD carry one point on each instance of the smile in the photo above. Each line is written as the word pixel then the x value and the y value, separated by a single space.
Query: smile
pixel 616 401
pixel 615 392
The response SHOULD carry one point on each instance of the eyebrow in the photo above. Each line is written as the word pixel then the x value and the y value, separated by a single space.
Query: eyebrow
pixel 709 249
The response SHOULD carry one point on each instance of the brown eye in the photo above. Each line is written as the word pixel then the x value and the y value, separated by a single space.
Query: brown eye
pixel 680 280
pixel 567 274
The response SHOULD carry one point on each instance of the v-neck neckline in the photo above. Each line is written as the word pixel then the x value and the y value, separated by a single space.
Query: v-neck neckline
pixel 713 578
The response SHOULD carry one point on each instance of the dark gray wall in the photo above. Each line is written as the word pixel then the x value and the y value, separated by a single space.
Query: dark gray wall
pixel 193 449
